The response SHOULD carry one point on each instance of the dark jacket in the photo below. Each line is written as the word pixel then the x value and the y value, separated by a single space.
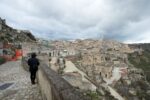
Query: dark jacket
pixel 33 64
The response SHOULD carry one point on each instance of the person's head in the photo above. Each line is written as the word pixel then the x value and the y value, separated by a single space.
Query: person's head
pixel 33 55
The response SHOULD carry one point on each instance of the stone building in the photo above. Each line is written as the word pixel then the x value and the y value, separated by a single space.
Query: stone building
pixel 32 47
pixel 92 59
pixel 105 72
pixel 54 53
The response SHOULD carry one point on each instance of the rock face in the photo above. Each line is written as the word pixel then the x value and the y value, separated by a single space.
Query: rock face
pixel 9 34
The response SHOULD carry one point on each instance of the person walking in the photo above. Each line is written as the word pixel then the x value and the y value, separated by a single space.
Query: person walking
pixel 33 63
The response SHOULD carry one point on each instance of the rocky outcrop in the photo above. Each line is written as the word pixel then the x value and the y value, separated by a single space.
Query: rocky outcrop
pixel 12 35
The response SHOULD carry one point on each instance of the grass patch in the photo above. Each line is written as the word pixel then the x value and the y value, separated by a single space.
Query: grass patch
pixel 93 95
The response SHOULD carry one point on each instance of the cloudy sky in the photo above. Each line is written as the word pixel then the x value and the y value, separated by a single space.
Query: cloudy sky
pixel 122 20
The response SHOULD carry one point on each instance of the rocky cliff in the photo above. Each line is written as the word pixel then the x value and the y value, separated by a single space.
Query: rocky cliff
pixel 10 34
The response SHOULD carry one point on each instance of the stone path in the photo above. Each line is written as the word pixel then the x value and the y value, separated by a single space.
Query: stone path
pixel 15 83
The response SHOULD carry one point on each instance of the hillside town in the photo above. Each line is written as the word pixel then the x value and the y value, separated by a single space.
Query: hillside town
pixel 93 67
pixel 98 66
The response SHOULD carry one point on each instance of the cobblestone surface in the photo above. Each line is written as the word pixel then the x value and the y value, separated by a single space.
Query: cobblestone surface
pixel 22 89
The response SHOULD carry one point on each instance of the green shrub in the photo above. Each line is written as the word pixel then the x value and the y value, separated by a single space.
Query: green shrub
pixel 2 60
pixel 93 95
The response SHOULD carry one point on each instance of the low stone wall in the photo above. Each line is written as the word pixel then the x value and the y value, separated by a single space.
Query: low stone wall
pixel 24 64
pixel 52 86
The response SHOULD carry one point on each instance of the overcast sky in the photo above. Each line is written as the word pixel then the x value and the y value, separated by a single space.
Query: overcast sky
pixel 122 20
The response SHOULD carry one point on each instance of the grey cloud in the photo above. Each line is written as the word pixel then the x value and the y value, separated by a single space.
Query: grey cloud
pixel 123 20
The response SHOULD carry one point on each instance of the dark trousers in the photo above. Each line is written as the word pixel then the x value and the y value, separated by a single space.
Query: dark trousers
pixel 33 76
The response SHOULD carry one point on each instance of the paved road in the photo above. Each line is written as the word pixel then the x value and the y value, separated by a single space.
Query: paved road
pixel 20 87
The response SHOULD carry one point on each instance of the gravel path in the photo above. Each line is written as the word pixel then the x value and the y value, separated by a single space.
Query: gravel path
pixel 21 88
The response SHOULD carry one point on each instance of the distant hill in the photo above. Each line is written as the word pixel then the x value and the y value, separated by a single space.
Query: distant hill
pixel 9 34
pixel 144 46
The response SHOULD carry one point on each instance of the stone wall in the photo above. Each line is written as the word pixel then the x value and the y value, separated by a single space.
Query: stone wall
pixel 52 86
pixel 24 64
